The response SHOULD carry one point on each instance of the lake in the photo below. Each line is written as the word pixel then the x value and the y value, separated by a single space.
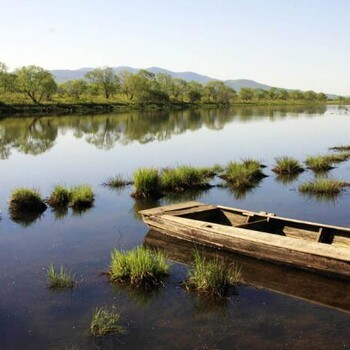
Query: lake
pixel 275 310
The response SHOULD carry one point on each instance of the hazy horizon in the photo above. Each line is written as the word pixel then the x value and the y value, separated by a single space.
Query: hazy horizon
pixel 290 44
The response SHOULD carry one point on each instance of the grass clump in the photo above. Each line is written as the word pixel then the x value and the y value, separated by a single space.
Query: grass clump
pixel 105 321
pixel 338 157
pixel 82 196
pixel 60 197
pixel 60 279
pixel 147 183
pixel 116 182
pixel 323 186
pixel 243 175
pixel 340 148
pixel 184 178
pixel 287 166
pixel 25 200
pixel 139 267
pixel 212 277
pixel 319 163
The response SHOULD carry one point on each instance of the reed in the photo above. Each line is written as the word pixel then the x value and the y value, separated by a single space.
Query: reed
pixel 323 186
pixel 105 321
pixel 212 277
pixel 60 279
pixel 60 197
pixel 243 175
pixel 82 196
pixel 287 166
pixel 184 178
pixel 147 183
pixel 25 200
pixel 116 182
pixel 319 163
pixel 139 267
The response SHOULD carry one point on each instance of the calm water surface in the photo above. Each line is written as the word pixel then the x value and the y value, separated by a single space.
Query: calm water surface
pixel 43 152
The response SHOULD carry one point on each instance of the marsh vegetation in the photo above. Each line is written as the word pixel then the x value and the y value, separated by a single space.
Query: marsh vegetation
pixel 106 321
pixel 287 166
pixel 60 279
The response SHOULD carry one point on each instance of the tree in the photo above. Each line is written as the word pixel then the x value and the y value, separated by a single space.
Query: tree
pixel 310 95
pixel 35 82
pixel 321 96
pixel 106 79
pixel 246 94
pixel 194 91
pixel 74 88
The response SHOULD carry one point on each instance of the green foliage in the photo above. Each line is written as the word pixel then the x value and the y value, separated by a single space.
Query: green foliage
pixel 243 175
pixel 60 197
pixel 212 277
pixel 105 79
pixel 319 163
pixel 105 321
pixel 116 182
pixel 147 183
pixel 26 200
pixel 287 166
pixel 60 279
pixel 323 186
pixel 82 196
pixel 183 178
pixel 139 267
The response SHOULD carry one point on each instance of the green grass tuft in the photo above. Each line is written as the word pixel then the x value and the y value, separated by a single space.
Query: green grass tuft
pixel 338 157
pixel 139 267
pixel 147 183
pixel 60 279
pixel 82 196
pixel 323 186
pixel 243 175
pixel 340 148
pixel 319 163
pixel 105 321
pixel 60 197
pixel 116 182
pixel 212 277
pixel 184 178
pixel 287 166
pixel 27 201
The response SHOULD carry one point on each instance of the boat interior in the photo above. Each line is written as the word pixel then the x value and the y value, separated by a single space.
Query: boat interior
pixel 269 223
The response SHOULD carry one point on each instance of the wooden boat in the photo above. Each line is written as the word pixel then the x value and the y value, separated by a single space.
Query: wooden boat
pixel 328 291
pixel 302 244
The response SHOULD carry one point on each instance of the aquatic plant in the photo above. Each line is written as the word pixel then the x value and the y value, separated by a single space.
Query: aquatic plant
pixel 27 201
pixel 338 157
pixel 184 178
pixel 243 175
pixel 116 182
pixel 323 186
pixel 82 196
pixel 105 321
pixel 147 183
pixel 287 166
pixel 60 197
pixel 340 148
pixel 139 267
pixel 319 163
pixel 212 277
pixel 60 279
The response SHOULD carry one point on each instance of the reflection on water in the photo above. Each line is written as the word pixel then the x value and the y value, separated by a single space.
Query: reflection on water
pixel 37 135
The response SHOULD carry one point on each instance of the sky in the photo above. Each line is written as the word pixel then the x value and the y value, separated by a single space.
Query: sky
pixel 299 44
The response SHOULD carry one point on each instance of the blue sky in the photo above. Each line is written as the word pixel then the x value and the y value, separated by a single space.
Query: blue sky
pixel 289 43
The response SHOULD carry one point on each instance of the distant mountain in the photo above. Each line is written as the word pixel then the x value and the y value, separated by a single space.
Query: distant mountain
pixel 62 75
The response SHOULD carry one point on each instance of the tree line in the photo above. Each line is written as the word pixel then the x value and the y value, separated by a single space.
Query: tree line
pixel 38 85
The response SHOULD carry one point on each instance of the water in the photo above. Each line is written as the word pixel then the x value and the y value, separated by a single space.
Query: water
pixel 43 152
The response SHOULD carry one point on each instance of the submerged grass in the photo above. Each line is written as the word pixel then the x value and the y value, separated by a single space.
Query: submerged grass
pixel 60 197
pixel 60 279
pixel 25 200
pixel 287 166
pixel 82 196
pixel 243 175
pixel 116 182
pixel 105 321
pixel 147 183
pixel 212 277
pixel 323 186
pixel 184 178
pixel 141 267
